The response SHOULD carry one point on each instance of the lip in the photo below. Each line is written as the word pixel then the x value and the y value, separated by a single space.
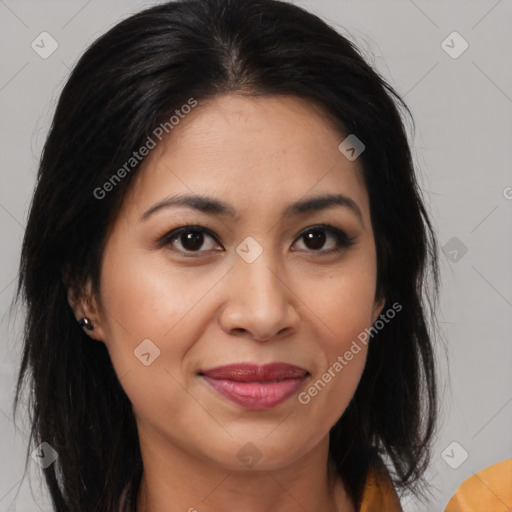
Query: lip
pixel 255 386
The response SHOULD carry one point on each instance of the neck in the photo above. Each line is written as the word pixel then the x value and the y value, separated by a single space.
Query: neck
pixel 175 480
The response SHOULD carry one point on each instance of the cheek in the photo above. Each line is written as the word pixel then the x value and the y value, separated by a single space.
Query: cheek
pixel 344 346
pixel 153 308
pixel 147 296
pixel 328 394
pixel 343 301
pixel 345 310
pixel 343 306
pixel 151 323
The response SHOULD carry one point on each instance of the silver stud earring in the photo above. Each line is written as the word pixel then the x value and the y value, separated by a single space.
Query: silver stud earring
pixel 85 322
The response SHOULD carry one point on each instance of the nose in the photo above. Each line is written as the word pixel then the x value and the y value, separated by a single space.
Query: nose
pixel 260 305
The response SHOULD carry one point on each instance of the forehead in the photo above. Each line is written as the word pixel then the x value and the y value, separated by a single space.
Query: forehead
pixel 253 152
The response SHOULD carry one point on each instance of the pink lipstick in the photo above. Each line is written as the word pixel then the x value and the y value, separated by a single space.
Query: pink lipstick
pixel 253 386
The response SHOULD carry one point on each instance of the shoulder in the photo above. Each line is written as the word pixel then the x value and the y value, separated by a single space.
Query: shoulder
pixel 379 494
pixel 489 490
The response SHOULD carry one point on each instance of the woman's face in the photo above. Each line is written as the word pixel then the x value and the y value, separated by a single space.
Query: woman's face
pixel 255 281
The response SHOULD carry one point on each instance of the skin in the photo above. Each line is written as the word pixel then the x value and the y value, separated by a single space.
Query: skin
pixel 293 304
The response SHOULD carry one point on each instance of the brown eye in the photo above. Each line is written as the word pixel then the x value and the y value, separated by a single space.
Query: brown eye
pixel 189 239
pixel 192 240
pixel 315 239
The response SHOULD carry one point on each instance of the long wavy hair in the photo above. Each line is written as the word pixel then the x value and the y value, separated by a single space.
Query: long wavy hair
pixel 128 82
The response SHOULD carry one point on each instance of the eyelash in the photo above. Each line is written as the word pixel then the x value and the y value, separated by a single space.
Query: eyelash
pixel 344 242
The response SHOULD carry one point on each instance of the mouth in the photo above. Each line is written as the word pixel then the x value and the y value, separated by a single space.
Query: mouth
pixel 255 387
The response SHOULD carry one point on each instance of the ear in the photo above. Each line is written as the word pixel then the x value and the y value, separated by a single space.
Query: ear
pixel 83 305
pixel 378 306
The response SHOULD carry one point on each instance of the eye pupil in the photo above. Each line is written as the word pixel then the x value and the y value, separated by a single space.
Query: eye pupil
pixel 316 239
pixel 192 240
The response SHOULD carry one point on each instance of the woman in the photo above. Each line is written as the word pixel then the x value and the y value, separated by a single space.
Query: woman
pixel 224 270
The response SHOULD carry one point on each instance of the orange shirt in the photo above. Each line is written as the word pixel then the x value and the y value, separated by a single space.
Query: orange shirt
pixel 379 494
pixel 489 490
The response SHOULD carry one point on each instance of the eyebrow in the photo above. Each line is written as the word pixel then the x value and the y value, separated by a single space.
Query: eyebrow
pixel 210 205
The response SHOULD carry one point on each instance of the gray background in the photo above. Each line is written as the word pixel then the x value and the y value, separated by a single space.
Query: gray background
pixel 462 146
